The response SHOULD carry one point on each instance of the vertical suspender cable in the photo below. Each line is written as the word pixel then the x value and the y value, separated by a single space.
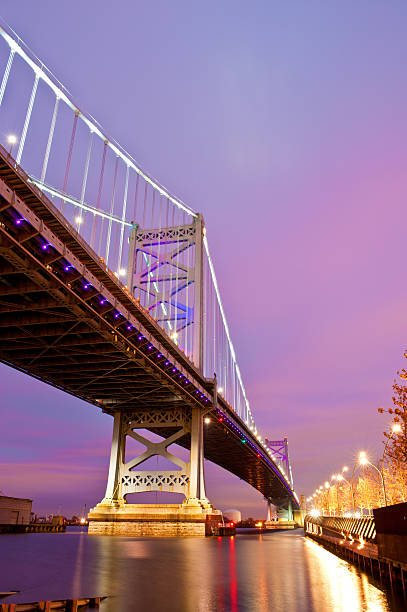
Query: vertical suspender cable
pixel 178 263
pixel 27 119
pixel 6 74
pixel 159 308
pixel 143 255
pixel 85 179
pixel 164 269
pixel 133 264
pixel 109 227
pixel 171 250
pixel 187 319
pixel 150 257
pixel 145 205
pixel 136 199
pixel 50 138
pixel 213 324
pixel 126 190
pixel 102 170
pixel 68 161
pixel 203 317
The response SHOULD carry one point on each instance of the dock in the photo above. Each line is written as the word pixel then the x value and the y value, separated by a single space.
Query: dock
pixel 64 605
pixel 377 544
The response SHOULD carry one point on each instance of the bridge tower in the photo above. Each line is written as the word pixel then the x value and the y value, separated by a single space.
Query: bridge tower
pixel 279 448
pixel 165 275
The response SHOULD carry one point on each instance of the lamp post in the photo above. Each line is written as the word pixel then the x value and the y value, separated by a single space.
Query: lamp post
pixel 363 460
pixel 396 428
pixel 341 477
pixel 335 477
pixel 327 487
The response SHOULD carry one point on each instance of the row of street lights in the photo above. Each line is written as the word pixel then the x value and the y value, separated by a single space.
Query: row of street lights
pixel 363 461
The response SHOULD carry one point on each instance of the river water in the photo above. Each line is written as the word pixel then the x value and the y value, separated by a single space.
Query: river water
pixel 279 572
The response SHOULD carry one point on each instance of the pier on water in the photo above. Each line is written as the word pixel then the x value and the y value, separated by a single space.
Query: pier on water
pixel 377 544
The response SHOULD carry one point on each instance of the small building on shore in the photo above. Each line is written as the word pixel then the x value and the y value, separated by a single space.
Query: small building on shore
pixel 15 510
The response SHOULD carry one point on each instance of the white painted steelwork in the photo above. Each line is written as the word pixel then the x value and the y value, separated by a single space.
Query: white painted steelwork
pixel 109 204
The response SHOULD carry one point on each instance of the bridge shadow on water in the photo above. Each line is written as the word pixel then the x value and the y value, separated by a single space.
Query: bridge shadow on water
pixel 279 571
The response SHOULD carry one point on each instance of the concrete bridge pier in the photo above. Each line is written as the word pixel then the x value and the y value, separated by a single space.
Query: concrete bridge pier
pixel 195 516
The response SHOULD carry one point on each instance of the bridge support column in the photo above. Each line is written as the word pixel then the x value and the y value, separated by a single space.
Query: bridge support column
pixel 195 516
pixel 290 511
pixel 116 466
pixel 196 493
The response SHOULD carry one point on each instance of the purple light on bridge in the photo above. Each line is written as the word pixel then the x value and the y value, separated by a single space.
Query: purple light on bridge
pixel 19 221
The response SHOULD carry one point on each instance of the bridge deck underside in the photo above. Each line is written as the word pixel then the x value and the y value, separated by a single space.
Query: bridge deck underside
pixel 55 329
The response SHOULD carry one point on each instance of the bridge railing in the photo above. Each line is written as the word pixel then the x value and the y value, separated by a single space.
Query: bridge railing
pixel 341 527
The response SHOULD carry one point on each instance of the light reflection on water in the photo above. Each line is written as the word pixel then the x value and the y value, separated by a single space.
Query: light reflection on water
pixel 340 584
pixel 255 573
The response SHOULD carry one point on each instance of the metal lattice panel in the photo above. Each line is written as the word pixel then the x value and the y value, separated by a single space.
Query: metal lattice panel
pixel 165 481
pixel 158 418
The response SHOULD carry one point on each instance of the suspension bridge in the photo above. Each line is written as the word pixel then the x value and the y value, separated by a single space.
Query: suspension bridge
pixel 108 292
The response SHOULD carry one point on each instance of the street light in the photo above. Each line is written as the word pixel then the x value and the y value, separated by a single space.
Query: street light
pixel 396 428
pixel 363 460
pixel 11 139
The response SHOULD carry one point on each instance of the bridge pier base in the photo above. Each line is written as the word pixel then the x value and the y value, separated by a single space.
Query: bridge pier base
pixel 195 516
pixel 156 520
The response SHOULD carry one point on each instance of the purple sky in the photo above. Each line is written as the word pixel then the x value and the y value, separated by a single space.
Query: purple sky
pixel 284 123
